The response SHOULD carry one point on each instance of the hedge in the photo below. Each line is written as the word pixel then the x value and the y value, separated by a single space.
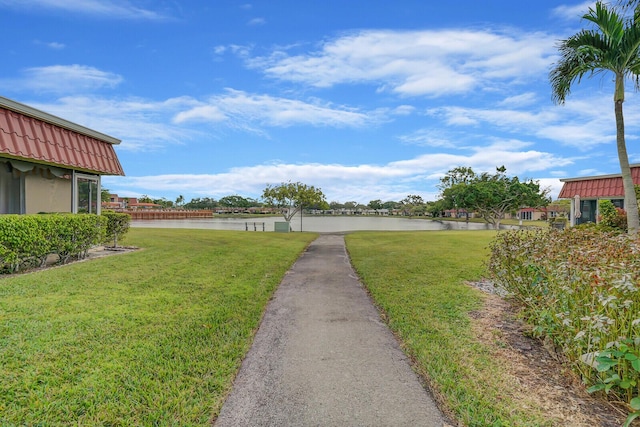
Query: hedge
pixel 26 241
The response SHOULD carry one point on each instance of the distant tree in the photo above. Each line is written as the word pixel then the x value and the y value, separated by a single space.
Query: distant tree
pixel 336 205
pixel 459 175
pixel 350 205
pixel 145 199
pixel 291 197
pixel 375 204
pixel 236 201
pixel 390 205
pixel 105 195
pixel 612 47
pixel 436 209
pixel 180 200
pixel 163 202
pixel 492 195
pixel 323 205
pixel 253 202
pixel 412 205
pixel 202 203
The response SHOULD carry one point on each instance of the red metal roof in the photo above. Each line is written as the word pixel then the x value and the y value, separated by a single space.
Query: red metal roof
pixel 30 138
pixel 594 186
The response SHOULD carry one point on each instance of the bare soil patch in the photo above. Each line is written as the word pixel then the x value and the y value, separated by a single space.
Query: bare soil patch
pixel 538 371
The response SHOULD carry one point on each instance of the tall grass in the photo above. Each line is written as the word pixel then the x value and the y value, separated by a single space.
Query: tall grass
pixel 417 279
pixel 153 337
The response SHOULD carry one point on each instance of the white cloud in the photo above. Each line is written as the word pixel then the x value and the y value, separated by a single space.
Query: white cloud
pixel 428 138
pixel 245 110
pixel 56 45
pixel 364 182
pixel 142 125
pixel 122 9
pixel 256 21
pixel 205 113
pixel 573 12
pixel 578 123
pixel 63 79
pixel 518 101
pixel 403 110
pixel 50 45
pixel 414 63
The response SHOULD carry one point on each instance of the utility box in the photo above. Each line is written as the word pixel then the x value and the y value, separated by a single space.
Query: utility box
pixel 281 227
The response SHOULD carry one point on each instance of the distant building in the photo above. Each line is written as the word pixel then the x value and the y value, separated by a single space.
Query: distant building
pixel 585 193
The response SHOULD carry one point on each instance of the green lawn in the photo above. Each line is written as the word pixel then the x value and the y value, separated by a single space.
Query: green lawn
pixel 417 279
pixel 153 337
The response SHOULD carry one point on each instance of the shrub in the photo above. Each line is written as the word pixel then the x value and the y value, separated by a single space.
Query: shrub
pixel 27 240
pixel 23 242
pixel 579 287
pixel 117 226
pixel 611 217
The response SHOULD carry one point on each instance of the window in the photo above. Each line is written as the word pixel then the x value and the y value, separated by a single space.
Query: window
pixel 618 203
pixel 86 193
pixel 11 189
pixel 526 215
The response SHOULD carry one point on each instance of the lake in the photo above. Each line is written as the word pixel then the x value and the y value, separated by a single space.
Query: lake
pixel 320 224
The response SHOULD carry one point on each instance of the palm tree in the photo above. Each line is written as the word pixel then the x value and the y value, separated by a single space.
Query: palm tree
pixel 612 47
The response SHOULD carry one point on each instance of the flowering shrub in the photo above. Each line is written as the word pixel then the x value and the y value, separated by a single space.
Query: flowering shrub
pixel 579 287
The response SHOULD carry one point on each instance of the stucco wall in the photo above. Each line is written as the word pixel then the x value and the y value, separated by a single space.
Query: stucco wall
pixel 47 195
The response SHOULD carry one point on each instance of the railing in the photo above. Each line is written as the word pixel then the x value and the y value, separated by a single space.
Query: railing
pixel 256 226
pixel 168 213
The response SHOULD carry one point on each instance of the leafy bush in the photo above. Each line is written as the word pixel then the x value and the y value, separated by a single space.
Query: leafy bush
pixel 117 226
pixel 27 240
pixel 611 217
pixel 579 287
pixel 23 242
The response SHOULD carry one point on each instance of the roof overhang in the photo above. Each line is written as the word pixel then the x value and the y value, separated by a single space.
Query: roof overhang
pixel 33 135
pixel 600 186
pixel 55 120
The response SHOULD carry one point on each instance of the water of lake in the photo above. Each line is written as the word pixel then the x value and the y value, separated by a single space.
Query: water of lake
pixel 320 224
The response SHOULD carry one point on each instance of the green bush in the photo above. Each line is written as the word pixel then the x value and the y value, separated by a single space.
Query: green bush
pixel 611 217
pixel 27 240
pixel 117 226
pixel 23 242
pixel 579 287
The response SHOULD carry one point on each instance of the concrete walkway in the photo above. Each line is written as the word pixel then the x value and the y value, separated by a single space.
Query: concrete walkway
pixel 323 357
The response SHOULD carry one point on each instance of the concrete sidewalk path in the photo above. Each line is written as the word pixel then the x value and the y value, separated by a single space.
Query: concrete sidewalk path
pixel 323 357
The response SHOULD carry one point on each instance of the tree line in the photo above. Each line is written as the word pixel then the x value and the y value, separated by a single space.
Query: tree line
pixel 491 196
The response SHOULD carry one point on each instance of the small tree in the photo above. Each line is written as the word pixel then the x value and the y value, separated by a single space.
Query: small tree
pixel 492 195
pixel 117 225
pixel 292 197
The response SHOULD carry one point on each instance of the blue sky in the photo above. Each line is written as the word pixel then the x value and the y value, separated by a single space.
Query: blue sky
pixel 366 99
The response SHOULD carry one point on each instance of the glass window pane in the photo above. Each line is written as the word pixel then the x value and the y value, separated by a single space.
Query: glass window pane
pixel 87 190
pixel 10 189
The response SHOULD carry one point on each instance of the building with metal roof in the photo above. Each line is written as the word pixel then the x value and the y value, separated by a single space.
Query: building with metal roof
pixel 587 191
pixel 49 164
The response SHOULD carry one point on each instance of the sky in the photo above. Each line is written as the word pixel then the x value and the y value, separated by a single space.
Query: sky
pixel 364 99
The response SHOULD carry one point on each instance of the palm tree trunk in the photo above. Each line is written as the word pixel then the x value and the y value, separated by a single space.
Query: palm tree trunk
pixel 630 201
